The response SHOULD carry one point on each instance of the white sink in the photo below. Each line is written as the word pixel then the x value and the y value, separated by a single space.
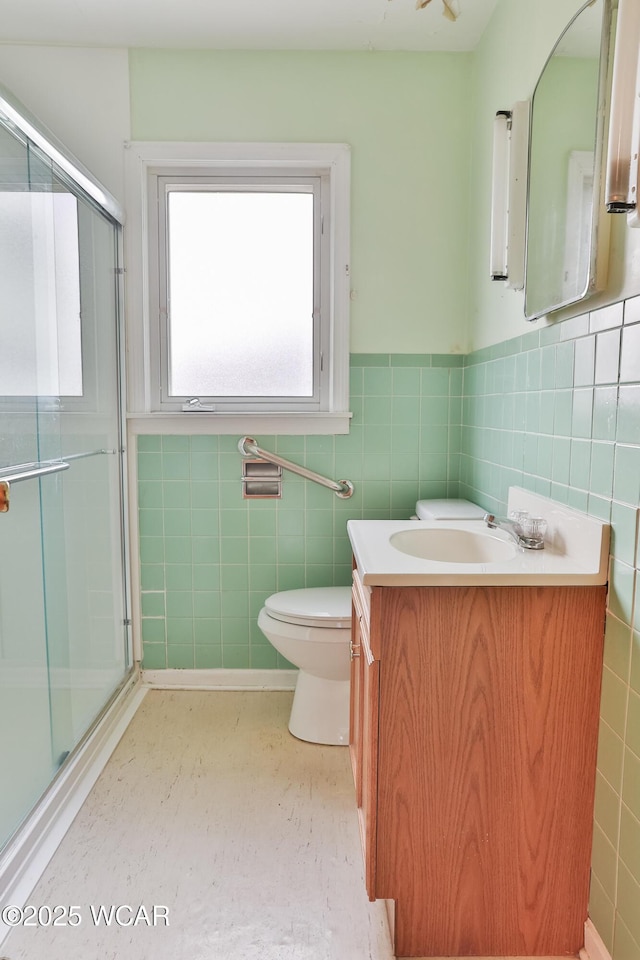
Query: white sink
pixel 458 552
pixel 449 545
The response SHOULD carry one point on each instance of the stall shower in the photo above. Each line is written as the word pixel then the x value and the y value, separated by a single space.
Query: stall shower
pixel 64 643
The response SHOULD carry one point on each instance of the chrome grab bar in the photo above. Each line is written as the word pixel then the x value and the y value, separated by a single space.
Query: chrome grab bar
pixel 40 468
pixel 249 448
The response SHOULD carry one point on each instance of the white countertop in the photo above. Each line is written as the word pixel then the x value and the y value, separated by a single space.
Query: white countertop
pixel 576 551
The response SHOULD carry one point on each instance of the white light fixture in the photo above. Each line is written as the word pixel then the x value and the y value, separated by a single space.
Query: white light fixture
pixel 509 194
pixel 622 154
pixel 499 195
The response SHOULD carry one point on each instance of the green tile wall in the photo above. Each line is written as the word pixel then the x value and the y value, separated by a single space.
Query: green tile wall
pixel 558 411
pixel 210 558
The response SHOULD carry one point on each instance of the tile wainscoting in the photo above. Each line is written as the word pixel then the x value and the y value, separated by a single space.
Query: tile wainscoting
pixel 210 558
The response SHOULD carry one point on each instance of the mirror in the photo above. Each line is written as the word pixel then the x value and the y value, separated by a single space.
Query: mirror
pixel 564 263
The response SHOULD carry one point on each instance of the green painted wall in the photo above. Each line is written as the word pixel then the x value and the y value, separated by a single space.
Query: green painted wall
pixel 406 118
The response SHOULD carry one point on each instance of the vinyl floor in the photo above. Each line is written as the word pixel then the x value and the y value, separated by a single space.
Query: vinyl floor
pixel 211 834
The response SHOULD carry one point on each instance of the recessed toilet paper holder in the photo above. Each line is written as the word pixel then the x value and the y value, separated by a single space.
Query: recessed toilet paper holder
pixel 261 480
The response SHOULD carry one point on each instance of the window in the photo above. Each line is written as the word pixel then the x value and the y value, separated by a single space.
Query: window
pixel 239 292
pixel 241 309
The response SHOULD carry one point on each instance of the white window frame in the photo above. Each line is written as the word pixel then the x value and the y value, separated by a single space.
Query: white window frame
pixel 145 162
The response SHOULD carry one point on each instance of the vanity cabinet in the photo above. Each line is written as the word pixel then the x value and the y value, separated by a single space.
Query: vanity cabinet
pixel 473 743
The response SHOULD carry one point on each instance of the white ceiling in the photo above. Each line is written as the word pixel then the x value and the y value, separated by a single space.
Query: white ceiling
pixel 246 24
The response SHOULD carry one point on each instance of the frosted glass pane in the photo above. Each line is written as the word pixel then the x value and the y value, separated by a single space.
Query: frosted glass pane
pixel 240 294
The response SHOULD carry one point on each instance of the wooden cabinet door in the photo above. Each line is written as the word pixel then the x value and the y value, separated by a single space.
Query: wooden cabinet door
pixel 487 757
pixel 370 689
pixel 355 704
pixel 363 738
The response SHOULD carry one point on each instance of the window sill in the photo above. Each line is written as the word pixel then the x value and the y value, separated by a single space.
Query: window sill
pixel 291 424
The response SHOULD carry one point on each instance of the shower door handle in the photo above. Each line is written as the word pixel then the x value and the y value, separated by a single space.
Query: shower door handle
pixel 40 468
pixel 25 471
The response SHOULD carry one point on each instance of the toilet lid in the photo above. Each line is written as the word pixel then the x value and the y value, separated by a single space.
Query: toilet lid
pixel 313 607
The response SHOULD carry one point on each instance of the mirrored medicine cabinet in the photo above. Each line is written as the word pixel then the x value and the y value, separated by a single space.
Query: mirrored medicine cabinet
pixel 567 225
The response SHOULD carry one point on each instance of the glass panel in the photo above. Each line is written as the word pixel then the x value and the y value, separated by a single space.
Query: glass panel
pixel 39 253
pixel 27 764
pixel 81 511
pixel 63 644
pixel 240 294
pixel 25 722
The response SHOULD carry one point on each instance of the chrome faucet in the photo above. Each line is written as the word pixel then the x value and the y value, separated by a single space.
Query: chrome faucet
pixel 528 532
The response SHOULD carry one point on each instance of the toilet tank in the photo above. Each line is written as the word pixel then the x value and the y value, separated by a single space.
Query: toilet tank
pixel 448 510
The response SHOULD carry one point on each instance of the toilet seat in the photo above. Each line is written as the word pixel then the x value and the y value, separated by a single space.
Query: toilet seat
pixel 328 607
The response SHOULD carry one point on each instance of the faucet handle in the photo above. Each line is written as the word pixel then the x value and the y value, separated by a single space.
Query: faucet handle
pixel 528 526
pixel 537 527
pixel 531 529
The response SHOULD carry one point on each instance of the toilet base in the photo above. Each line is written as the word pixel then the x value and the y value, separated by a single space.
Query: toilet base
pixel 320 711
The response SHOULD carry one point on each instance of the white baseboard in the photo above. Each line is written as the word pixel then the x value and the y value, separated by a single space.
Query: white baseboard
pixel 28 853
pixel 594 948
pixel 220 679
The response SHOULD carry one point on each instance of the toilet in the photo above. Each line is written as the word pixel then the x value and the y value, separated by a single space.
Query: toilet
pixel 448 510
pixel 311 627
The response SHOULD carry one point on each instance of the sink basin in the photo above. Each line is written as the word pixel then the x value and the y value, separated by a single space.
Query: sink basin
pixel 446 545
pixel 428 553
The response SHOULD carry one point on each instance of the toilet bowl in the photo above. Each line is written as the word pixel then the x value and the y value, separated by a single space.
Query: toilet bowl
pixel 312 629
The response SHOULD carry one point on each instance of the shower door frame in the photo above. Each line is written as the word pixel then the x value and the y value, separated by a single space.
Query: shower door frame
pixel 27 852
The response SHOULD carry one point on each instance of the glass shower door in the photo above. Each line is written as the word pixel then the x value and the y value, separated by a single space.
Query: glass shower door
pixel 25 706
pixel 63 620
pixel 82 537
